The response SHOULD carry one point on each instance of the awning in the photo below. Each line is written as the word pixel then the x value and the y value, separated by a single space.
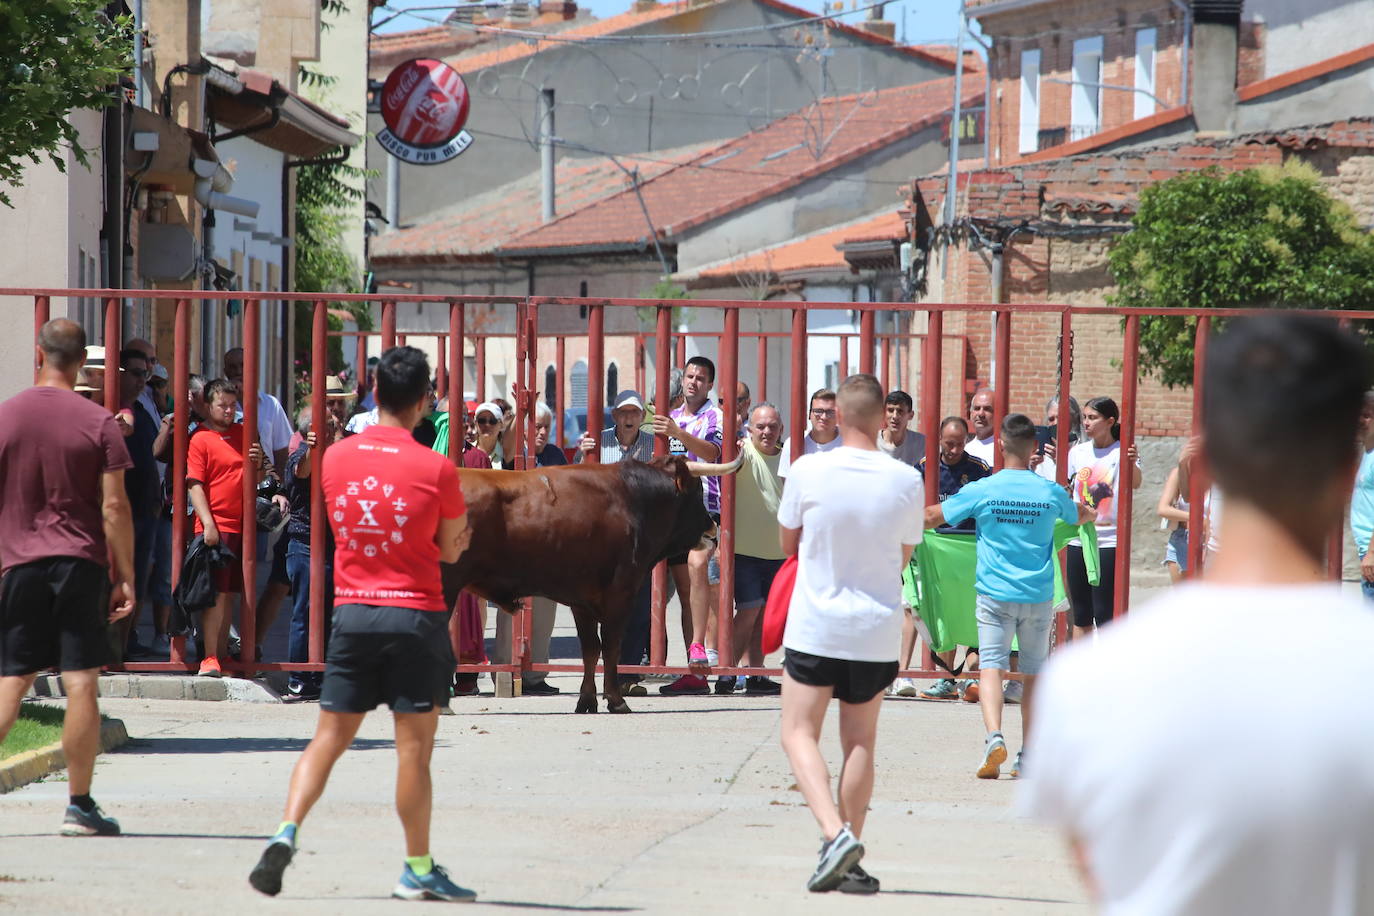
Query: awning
pixel 244 99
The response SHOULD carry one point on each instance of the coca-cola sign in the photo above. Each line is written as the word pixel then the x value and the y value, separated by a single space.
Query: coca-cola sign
pixel 425 104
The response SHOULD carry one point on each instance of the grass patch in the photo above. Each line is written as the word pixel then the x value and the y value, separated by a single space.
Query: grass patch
pixel 38 726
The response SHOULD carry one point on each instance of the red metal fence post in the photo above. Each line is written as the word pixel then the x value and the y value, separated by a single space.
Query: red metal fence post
pixel 249 398
pixel 658 631
pixel 797 421
pixel 681 350
pixel 457 381
pixel 596 369
pixel 844 358
pixel 441 367
pixel 725 551
pixel 41 313
pixel 1061 447
pixel 560 355
pixel 319 363
pixel 931 414
pixel 1125 492
pixel 865 341
pixel 761 388
pixel 181 423
pixel 360 365
pixel 113 335
pixel 1197 490
pixel 886 377
pixel 479 344
pixel 388 325
pixel 1001 383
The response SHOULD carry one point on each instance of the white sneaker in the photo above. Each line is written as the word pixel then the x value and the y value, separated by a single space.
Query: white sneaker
pixel 904 687
pixel 1011 693
pixel 712 657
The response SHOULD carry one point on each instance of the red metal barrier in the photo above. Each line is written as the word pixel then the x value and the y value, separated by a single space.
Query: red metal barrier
pixel 528 380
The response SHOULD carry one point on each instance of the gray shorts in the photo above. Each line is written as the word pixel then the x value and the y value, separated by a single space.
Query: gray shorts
pixel 999 621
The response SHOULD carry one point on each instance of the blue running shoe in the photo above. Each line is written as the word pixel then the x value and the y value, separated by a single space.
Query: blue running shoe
pixel 433 886
pixel 88 823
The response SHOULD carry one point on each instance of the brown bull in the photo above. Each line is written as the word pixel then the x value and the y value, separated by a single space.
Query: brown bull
pixel 585 536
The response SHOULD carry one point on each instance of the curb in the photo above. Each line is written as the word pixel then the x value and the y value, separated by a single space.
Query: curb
pixel 166 687
pixel 32 766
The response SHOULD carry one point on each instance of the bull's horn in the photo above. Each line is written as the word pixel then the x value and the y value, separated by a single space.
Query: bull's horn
pixel 704 469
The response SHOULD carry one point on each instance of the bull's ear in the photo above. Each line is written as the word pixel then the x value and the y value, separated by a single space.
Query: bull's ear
pixel 682 474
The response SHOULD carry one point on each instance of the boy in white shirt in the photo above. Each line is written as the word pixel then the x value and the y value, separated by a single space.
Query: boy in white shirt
pixel 853 516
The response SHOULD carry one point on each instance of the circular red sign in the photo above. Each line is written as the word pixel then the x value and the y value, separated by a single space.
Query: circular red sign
pixel 425 102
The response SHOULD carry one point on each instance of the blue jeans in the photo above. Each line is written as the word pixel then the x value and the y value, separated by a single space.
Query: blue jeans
pixel 298 570
pixel 999 621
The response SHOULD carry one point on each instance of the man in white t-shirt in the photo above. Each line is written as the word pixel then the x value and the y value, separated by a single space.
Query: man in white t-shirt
pixel 906 445
pixel 824 434
pixel 982 435
pixel 852 516
pixel 1229 805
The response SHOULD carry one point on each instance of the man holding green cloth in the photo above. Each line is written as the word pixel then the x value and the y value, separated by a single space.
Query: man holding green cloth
pixel 1016 511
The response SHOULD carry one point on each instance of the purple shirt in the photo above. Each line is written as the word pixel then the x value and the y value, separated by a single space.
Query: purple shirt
pixel 705 424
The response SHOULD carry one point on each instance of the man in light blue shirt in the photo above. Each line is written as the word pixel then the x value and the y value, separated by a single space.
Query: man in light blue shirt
pixel 1362 504
pixel 1016 511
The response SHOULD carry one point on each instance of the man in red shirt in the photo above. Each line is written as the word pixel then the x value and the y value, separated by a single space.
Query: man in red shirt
pixel 63 514
pixel 397 511
pixel 214 475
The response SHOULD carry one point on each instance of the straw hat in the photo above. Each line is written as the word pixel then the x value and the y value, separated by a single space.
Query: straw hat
pixel 334 388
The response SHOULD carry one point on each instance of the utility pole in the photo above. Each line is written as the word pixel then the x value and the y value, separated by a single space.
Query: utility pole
pixel 546 146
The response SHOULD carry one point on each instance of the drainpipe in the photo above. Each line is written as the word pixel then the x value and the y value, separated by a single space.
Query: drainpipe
pixel 952 186
pixel 1187 42
pixel 211 183
pixel 546 133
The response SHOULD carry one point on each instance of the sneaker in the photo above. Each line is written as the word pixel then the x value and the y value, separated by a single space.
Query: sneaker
pixel 433 886
pixel 633 689
pixel 725 685
pixel 1016 767
pixel 209 667
pixel 540 689
pixel 88 823
pixel 689 685
pixel 266 875
pixel 858 881
pixel 943 689
pixel 837 857
pixel 969 692
pixel 298 689
pixel 760 686
pixel 1012 692
pixel 465 685
pixel 712 657
pixel 696 656
pixel 993 757
pixel 903 687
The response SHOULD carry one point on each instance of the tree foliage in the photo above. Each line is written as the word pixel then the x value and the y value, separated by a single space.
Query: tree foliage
pixel 56 56
pixel 1261 238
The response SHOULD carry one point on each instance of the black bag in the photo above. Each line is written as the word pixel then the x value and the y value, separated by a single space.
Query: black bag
pixel 195 589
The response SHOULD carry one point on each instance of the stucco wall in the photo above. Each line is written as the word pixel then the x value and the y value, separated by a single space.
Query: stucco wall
pixel 1297 34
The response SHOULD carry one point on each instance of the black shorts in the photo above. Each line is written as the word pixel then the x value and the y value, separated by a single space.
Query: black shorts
pixel 53 614
pixel 854 682
pixel 681 558
pixel 393 655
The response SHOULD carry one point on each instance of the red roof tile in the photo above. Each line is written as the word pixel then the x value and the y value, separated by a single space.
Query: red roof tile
pixel 1115 134
pixel 1303 74
pixel 476 227
pixel 751 168
pixel 927 54
pixel 820 250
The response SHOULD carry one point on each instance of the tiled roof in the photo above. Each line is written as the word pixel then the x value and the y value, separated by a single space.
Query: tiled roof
pixel 927 54
pixel 750 168
pixel 1112 135
pixel 820 250
pixel 472 62
pixel 973 63
pixel 474 228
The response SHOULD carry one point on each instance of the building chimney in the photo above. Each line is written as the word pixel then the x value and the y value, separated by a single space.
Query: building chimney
pixel 875 24
pixel 1215 53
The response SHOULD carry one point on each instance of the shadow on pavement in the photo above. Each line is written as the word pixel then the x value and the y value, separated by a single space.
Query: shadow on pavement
pixel 964 896
pixel 239 745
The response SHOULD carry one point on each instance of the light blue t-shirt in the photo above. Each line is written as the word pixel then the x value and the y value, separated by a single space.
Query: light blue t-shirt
pixel 1016 511
pixel 1362 504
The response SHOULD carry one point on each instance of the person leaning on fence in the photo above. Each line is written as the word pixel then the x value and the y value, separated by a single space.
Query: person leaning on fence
pixel 982 423
pixel 214 477
pixel 627 440
pixel 852 516
pixel 957 469
pixel 1044 462
pixel 1016 511
pixel 1231 805
pixel 1362 502
pixel 758 555
pixel 397 511
pixel 1094 481
pixel 64 516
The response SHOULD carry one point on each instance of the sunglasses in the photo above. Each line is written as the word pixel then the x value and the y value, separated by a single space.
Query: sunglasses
pixel 485 421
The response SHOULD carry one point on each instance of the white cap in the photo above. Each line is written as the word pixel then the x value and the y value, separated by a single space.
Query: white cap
pixel 629 398
pixel 491 408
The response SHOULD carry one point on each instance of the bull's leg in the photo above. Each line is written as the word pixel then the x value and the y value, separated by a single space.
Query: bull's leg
pixel 611 634
pixel 591 648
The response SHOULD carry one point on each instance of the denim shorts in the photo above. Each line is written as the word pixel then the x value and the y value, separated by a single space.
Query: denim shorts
pixel 1176 551
pixel 999 621
pixel 753 578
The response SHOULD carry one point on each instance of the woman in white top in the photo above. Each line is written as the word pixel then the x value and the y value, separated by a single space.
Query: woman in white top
pixel 1094 469
pixel 1173 507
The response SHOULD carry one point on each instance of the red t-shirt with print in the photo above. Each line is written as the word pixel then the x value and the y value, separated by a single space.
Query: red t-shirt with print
pixel 216 460
pixel 384 495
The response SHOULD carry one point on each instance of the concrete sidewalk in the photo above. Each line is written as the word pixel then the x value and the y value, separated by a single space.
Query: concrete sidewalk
pixel 683 805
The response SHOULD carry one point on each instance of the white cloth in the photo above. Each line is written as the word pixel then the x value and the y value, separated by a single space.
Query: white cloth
pixel 856 509
pixel 1219 801
pixel 1094 480
pixel 361 421
pixel 982 448
pixel 809 447
pixel 274 427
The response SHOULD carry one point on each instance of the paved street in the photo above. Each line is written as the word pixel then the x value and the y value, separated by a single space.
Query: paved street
pixel 683 805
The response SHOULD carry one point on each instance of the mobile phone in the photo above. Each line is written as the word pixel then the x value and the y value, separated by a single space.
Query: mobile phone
pixel 1044 435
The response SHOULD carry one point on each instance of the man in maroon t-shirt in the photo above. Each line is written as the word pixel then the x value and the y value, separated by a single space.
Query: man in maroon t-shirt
pixel 63 515
pixel 397 511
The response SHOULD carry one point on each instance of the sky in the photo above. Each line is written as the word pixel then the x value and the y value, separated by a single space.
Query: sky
pixel 921 21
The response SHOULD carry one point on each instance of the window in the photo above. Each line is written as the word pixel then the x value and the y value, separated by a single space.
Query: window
pixel 1145 72
pixel 551 391
pixel 1030 101
pixel 612 383
pixel 579 384
pixel 1085 104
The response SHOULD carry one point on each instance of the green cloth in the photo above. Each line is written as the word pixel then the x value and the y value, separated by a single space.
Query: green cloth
pixel 440 421
pixel 939 581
